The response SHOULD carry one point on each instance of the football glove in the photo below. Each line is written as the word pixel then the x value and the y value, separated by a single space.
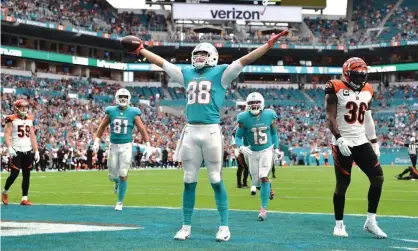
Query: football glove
pixel 245 150
pixel 140 47
pixel 236 152
pixel 273 39
pixel 376 149
pixel 37 157
pixel 344 146
pixel 12 152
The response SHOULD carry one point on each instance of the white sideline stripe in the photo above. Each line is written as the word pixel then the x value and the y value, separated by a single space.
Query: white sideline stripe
pixel 211 194
pixel 406 248
pixel 213 209
pixel 407 240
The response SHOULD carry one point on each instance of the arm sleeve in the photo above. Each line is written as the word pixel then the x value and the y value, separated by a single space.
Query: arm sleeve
pixel 138 112
pixel 369 125
pixel 231 73
pixel 275 137
pixel 8 120
pixel 174 72
pixel 238 136
pixel 274 130
pixel 329 87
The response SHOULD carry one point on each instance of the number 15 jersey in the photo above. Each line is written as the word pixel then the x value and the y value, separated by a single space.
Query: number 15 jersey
pixel 351 108
pixel 257 128
pixel 122 123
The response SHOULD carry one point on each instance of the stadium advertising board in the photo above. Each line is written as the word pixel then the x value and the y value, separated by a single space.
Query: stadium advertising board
pixel 222 12
pixel 69 59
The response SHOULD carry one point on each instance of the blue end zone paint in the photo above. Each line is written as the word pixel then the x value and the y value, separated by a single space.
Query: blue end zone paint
pixel 281 231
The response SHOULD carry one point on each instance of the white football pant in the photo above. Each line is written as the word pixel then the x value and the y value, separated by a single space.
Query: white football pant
pixel 119 160
pixel 198 143
pixel 260 163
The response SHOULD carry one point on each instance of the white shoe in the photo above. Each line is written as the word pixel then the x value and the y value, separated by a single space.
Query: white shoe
pixel 184 233
pixel 372 227
pixel 339 231
pixel 118 206
pixel 253 190
pixel 223 234
pixel 262 216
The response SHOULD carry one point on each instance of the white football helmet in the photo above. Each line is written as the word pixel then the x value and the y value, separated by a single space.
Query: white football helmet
pixel 255 103
pixel 211 59
pixel 123 97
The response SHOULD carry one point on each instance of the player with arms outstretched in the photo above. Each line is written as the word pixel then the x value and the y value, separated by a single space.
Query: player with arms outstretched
pixel 122 119
pixel 257 125
pixel 206 84
pixel 20 139
pixel 348 112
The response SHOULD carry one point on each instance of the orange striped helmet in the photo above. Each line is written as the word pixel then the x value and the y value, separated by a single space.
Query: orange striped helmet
pixel 21 107
pixel 355 72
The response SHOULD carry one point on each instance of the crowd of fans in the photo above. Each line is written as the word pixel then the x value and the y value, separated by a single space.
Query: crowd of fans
pixel 92 15
pixel 68 124
pixel 97 15
pixel 403 24
pixel 328 31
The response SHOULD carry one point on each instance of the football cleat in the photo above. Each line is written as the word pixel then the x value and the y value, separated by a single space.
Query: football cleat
pixel 373 228
pixel 115 189
pixel 5 198
pixel 339 231
pixel 184 233
pixel 26 203
pixel 223 234
pixel 119 206
pixel 253 190
pixel 262 216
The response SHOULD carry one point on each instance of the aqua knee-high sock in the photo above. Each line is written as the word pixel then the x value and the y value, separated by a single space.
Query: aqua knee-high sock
pixel 116 180
pixel 265 193
pixel 123 185
pixel 221 201
pixel 189 198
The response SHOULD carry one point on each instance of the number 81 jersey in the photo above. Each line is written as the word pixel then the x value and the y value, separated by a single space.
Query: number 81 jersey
pixel 351 108
pixel 122 123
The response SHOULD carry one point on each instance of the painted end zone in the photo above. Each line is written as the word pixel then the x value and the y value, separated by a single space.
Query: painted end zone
pixel 153 229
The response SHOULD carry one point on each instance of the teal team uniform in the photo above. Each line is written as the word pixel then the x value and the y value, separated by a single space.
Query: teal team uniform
pixel 257 131
pixel 205 94
pixel 122 123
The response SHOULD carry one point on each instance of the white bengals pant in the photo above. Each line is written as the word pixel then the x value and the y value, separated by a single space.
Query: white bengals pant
pixel 260 163
pixel 198 143
pixel 119 160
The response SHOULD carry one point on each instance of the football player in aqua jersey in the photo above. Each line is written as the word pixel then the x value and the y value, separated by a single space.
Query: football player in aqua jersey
pixel 122 119
pixel 257 126
pixel 206 84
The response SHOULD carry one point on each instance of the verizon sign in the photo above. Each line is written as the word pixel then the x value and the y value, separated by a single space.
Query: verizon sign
pixel 237 12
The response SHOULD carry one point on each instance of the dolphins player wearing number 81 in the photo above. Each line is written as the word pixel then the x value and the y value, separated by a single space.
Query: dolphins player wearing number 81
pixel 122 119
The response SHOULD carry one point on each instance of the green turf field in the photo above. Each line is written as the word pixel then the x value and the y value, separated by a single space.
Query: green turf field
pixel 300 217
pixel 298 189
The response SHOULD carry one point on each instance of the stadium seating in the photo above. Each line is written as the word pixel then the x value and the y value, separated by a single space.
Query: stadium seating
pixel 328 31
pixel 403 24
pixel 301 122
